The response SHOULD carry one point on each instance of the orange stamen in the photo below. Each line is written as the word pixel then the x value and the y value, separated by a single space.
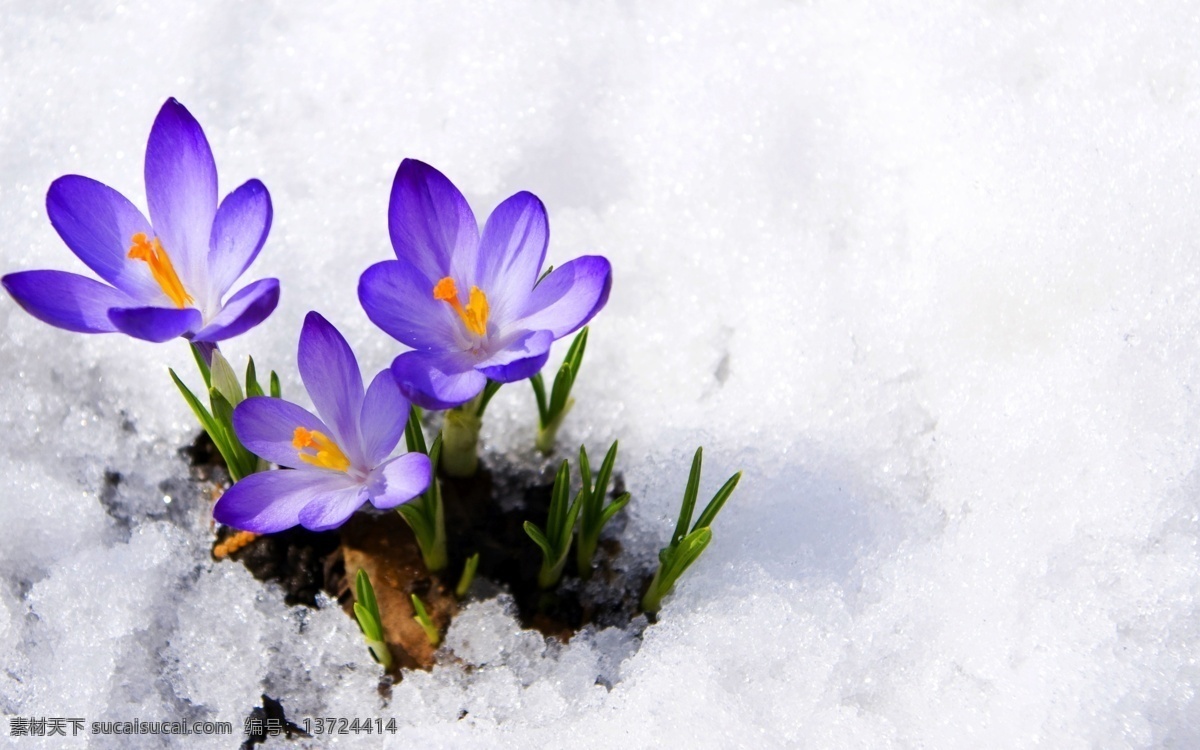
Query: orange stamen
pixel 160 268
pixel 475 315
pixel 315 448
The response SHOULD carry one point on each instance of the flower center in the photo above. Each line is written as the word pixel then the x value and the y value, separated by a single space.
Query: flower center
pixel 474 315
pixel 315 448
pixel 160 268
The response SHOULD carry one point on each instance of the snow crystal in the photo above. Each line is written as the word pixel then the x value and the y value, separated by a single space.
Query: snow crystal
pixel 926 272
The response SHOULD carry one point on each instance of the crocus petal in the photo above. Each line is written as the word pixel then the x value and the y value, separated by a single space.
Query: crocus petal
pixel 430 223
pixel 518 369
pixel 98 224
pixel 238 233
pixel 399 480
pixel 334 383
pixel 398 298
pixel 568 298
pixel 267 426
pixel 157 324
pixel 381 422
pixel 522 355
pixel 244 310
pixel 511 252
pixel 330 510
pixel 271 501
pixel 181 190
pixel 437 380
pixel 66 300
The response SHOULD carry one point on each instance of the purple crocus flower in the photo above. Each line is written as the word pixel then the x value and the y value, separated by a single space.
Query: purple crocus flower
pixel 338 456
pixel 470 305
pixel 168 276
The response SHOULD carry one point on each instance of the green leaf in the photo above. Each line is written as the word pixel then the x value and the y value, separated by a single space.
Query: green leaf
pixel 208 422
pixel 468 575
pixel 539 392
pixel 422 618
pixel 686 553
pixel 585 475
pixel 414 514
pixel 544 275
pixel 276 391
pixel 414 436
pixel 200 363
pixel 561 390
pixel 714 506
pixel 240 461
pixel 252 386
pixel 366 592
pixel 535 533
pixel 559 501
pixel 489 390
pixel 689 498
pixel 575 352
pixel 568 527
pixel 368 623
pixel 613 509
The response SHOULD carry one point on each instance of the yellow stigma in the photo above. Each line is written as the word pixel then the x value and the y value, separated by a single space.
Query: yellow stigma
pixel 160 268
pixel 314 448
pixel 474 315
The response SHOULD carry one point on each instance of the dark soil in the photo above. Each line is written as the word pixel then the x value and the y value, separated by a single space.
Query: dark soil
pixel 484 514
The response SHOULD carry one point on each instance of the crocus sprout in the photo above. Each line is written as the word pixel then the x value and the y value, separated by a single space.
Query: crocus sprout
pixel 594 514
pixel 366 611
pixel 340 454
pixel 685 546
pixel 469 303
pixel 555 541
pixel 425 513
pixel 467 577
pixel 224 394
pixel 426 622
pixel 551 413
pixel 167 276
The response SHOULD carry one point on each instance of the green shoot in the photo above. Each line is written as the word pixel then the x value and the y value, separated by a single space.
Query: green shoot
pixel 252 386
pixel 423 619
pixel 366 610
pixel 555 541
pixel 202 364
pixel 686 546
pixel 425 513
pixel 594 514
pixel 551 412
pixel 468 575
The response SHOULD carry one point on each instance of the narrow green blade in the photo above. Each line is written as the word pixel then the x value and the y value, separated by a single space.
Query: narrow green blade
pixel 714 506
pixel 539 393
pixel 689 499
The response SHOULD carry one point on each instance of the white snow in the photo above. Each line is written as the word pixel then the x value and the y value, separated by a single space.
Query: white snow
pixel 926 272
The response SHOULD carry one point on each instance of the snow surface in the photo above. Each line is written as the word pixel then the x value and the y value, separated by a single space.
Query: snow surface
pixel 926 272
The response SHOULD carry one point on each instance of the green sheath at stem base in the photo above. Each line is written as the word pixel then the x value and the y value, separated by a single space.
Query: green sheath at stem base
pixel 460 441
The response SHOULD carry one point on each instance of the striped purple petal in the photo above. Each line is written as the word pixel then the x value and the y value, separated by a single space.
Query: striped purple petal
pixel 66 300
pixel 155 324
pixel 271 501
